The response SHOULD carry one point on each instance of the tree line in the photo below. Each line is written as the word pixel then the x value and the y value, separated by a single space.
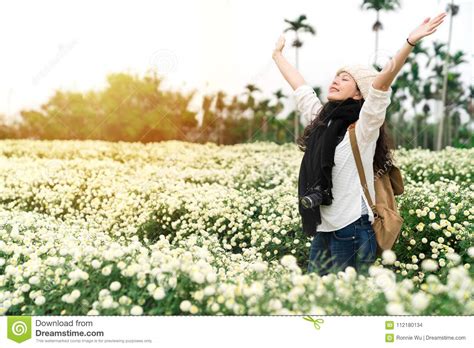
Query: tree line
pixel 133 108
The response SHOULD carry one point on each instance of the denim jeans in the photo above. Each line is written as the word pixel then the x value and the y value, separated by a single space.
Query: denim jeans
pixel 354 245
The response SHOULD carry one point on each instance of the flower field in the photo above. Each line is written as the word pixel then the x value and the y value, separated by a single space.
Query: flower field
pixel 92 227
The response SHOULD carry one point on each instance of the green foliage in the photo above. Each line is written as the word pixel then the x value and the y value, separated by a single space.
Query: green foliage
pixel 128 109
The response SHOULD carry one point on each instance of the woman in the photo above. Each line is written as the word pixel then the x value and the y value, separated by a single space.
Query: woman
pixel 332 203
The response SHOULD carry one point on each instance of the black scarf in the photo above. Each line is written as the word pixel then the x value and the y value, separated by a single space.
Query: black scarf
pixel 318 160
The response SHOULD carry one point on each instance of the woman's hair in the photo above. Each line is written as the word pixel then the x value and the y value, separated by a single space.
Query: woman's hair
pixel 382 159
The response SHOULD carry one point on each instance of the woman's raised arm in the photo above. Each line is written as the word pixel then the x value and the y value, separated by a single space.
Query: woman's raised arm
pixel 385 78
pixel 372 114
pixel 307 102
pixel 294 78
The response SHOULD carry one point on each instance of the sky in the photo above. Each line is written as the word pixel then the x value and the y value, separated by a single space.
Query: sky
pixel 207 45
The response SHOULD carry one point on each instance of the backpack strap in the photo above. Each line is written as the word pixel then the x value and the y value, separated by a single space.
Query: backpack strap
pixel 358 161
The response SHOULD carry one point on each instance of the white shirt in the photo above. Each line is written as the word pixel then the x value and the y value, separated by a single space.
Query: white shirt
pixel 347 189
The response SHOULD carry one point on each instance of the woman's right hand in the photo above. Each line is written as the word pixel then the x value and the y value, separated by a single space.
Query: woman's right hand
pixel 279 45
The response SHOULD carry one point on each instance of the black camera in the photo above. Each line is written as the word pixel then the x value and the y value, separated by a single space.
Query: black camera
pixel 316 196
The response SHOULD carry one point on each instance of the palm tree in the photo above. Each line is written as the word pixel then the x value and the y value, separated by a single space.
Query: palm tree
pixel 426 112
pixel 416 89
pixel 276 108
pixel 454 96
pixel 453 10
pixel 207 117
pixel 263 110
pixel 220 108
pixel 379 5
pixel 250 89
pixel 398 128
pixel 298 25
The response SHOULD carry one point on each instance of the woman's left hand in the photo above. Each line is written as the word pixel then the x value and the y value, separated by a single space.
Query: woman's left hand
pixel 426 28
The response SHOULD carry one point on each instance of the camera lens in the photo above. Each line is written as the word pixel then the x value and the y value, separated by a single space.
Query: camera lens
pixel 312 200
pixel 306 202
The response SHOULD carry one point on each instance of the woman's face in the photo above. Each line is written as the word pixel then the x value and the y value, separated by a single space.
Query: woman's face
pixel 342 87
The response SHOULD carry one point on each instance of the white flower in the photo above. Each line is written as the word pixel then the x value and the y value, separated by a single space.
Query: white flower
pixel 211 277
pixel 420 301
pixel 159 293
pixel 259 266
pixel 185 306
pixel 107 302
pixel 349 274
pixel 209 290
pixel 25 287
pixel 316 310
pixel 275 304
pixel 388 257
pixel 454 257
pixel 391 294
pixel 34 280
pixel 470 252
pixel 289 261
pixel 93 312
pixel 115 286
pixel 429 265
pixel 104 292
pixel 125 300
pixel 198 295
pixel 215 307
pixel 96 263
pixel 151 287
pixel 14 233
pixel 385 280
pixel 40 300
pixel 407 284
pixel 193 309
pixel 107 270
pixel 136 310
pixel 395 308
pixel 72 297
pixel 197 277
pixel 78 274
pixel 172 282
pixel 75 293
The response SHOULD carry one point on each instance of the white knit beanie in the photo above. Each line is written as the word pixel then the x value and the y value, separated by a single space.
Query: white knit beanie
pixel 363 76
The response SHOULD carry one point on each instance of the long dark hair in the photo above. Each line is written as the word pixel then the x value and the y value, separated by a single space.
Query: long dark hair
pixel 383 158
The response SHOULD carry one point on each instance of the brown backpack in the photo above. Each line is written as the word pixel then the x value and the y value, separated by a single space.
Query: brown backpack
pixel 387 220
